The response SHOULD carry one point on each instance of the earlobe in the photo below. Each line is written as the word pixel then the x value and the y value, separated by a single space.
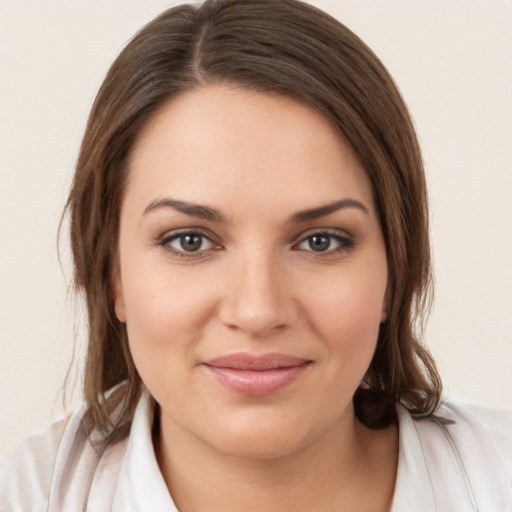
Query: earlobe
pixel 117 294
pixel 384 314
pixel 385 306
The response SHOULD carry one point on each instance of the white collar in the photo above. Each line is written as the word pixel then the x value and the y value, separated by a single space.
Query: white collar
pixel 141 485
pixel 446 462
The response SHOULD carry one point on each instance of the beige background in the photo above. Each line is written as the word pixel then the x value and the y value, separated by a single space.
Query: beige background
pixel 451 58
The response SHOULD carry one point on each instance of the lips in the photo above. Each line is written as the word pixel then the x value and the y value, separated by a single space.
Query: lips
pixel 256 374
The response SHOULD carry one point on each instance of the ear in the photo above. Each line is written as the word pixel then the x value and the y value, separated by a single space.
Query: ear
pixel 116 287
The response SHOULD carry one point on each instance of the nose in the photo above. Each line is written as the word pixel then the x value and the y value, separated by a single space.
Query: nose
pixel 258 298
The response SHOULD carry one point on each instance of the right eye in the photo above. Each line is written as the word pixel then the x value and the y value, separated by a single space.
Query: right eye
pixel 187 243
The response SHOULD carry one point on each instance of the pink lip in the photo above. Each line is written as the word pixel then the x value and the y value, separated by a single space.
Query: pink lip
pixel 256 374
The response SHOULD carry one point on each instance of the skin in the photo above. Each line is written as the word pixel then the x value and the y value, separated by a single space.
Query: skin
pixel 255 285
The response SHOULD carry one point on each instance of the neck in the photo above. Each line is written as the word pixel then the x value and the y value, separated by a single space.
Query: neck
pixel 347 467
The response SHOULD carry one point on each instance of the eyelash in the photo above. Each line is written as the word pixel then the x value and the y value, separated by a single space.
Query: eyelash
pixel 165 242
pixel 345 243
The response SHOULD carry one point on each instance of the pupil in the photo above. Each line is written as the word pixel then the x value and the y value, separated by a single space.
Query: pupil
pixel 319 243
pixel 191 242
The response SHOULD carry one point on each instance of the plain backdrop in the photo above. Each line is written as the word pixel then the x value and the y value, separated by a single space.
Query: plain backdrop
pixel 452 60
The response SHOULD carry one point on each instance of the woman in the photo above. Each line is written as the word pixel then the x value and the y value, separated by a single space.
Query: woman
pixel 249 229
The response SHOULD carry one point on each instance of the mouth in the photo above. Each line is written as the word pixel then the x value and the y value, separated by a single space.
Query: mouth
pixel 256 375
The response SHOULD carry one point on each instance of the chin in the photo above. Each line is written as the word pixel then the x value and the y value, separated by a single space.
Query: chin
pixel 260 447
pixel 262 438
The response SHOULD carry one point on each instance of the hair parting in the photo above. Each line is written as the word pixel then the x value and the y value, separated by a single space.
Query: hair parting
pixel 288 48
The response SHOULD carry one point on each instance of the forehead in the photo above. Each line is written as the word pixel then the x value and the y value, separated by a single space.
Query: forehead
pixel 223 144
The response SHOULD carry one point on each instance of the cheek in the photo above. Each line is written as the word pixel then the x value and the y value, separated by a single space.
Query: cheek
pixel 166 310
pixel 346 312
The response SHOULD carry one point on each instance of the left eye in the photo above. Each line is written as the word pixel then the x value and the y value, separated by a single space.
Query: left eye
pixel 324 242
pixel 188 243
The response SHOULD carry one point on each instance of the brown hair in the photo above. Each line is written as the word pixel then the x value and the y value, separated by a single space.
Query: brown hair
pixel 282 47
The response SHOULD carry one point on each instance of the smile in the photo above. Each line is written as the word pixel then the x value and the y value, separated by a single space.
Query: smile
pixel 256 375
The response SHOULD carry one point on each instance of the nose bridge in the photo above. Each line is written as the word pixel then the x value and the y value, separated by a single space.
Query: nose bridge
pixel 257 299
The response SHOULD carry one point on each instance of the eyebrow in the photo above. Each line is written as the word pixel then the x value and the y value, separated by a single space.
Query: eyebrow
pixel 192 209
pixel 210 214
pixel 327 209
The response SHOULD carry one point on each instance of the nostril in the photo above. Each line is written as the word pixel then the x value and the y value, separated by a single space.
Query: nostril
pixel 255 318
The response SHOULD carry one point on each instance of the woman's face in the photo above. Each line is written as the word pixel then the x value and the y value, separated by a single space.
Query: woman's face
pixel 251 273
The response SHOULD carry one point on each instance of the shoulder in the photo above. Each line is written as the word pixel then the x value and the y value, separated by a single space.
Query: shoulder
pixel 493 424
pixel 58 469
pixel 459 458
pixel 468 452
pixel 26 472
pixel 472 429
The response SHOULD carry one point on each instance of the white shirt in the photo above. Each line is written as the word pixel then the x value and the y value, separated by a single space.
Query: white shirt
pixel 460 460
